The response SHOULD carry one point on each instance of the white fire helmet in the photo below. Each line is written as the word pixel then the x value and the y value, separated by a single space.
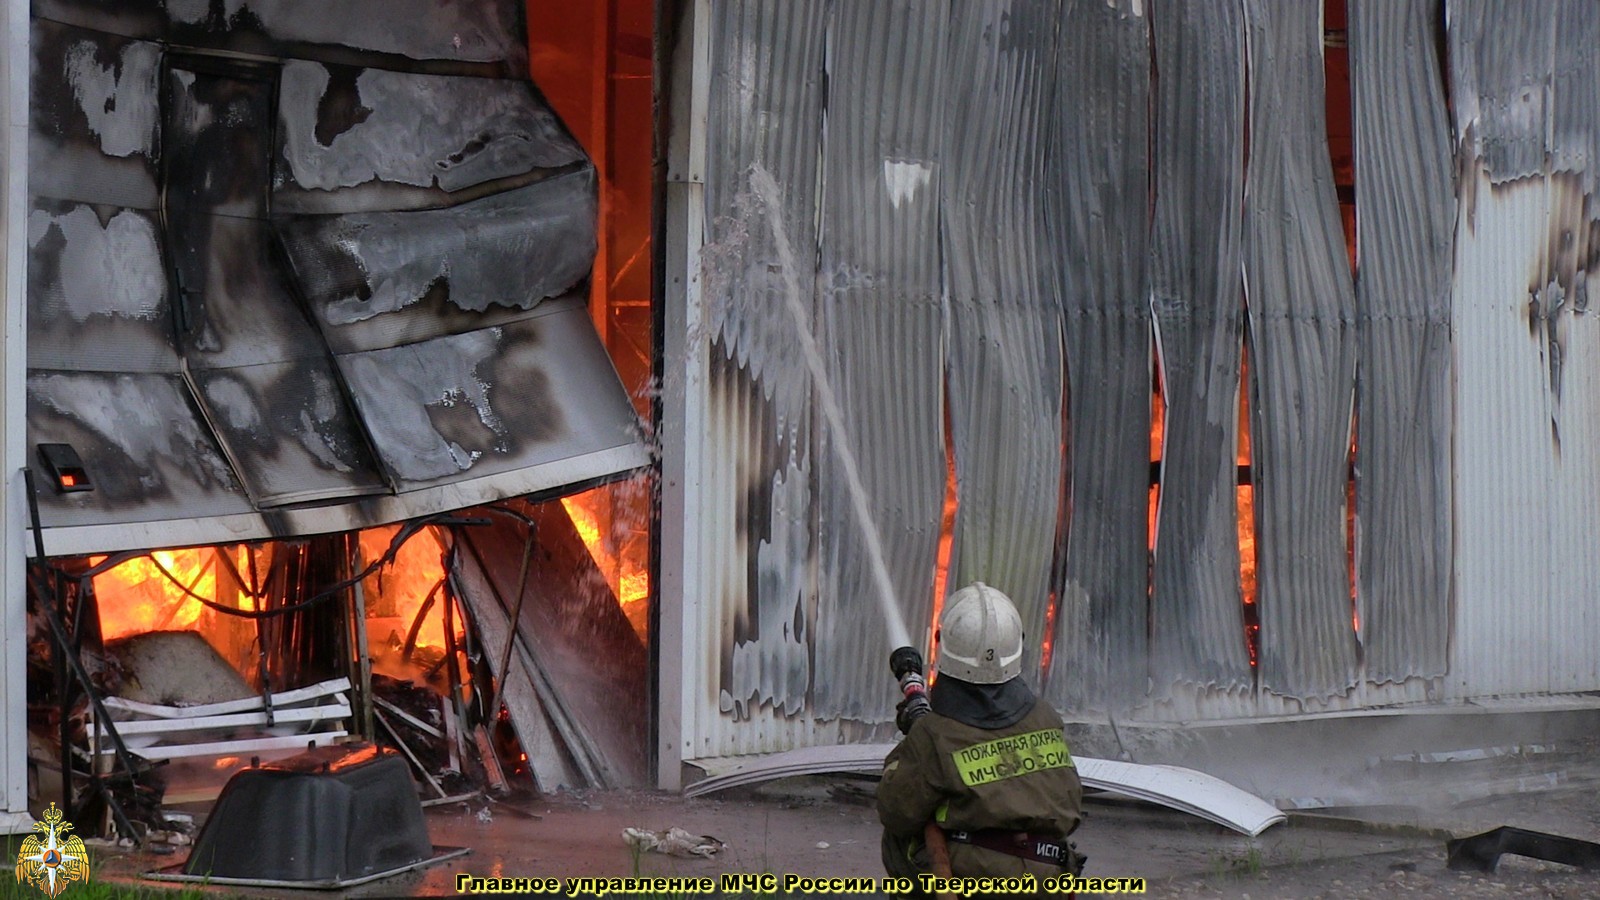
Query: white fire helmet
pixel 980 636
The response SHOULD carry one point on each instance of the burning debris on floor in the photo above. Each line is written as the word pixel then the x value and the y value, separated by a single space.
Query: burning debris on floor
pixel 497 661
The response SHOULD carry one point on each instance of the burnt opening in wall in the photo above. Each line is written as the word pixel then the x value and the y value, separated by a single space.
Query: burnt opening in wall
pixel 499 650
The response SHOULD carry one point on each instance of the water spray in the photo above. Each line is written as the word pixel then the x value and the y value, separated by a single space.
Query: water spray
pixel 765 186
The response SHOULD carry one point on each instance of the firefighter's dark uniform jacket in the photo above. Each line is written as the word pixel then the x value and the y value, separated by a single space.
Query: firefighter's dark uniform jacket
pixel 989 757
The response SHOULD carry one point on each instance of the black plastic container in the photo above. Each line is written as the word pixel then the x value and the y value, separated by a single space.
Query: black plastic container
pixel 329 816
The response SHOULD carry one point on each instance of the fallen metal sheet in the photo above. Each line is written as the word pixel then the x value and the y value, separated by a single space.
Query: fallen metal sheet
pixel 550 765
pixel 1181 789
pixel 342 127
pixel 1482 852
pixel 588 663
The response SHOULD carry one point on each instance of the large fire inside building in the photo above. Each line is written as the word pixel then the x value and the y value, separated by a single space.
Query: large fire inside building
pixel 586 394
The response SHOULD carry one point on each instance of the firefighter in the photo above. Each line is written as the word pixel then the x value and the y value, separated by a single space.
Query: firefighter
pixel 987 765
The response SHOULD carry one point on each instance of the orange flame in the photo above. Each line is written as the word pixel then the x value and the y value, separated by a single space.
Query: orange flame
pixel 397 590
pixel 136 596
pixel 612 522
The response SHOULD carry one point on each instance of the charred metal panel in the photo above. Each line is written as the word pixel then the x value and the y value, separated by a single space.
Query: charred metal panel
pixel 343 127
pixel 761 239
pixel 1004 365
pixel 97 290
pixel 1196 297
pixel 261 374
pixel 96 116
pixel 1302 343
pixel 511 249
pixel 1099 233
pixel 880 317
pixel 289 430
pixel 490 401
pixel 142 443
pixel 490 31
pixel 1525 93
pixel 1406 219
pixel 158 259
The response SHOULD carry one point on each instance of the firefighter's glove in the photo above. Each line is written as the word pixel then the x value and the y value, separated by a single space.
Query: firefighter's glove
pixel 910 710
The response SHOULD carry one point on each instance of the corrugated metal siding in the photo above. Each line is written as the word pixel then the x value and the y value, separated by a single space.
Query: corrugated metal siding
pixel 1197 295
pixel 1525 88
pixel 1302 310
pixel 1099 179
pixel 880 317
pixel 1004 371
pixel 755 515
pixel 1405 228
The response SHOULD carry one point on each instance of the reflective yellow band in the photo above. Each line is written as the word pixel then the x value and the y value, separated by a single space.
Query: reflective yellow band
pixel 1012 756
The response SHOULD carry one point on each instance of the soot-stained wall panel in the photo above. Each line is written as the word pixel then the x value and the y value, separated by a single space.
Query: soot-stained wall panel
pixel 480 31
pixel 1524 85
pixel 95 117
pixel 97 290
pixel 142 440
pixel 342 127
pixel 1302 342
pixel 1004 362
pixel 165 171
pixel 290 431
pixel 510 249
pixel 879 313
pixel 1196 297
pixel 519 395
pixel 756 518
pixel 1099 234
pixel 1406 221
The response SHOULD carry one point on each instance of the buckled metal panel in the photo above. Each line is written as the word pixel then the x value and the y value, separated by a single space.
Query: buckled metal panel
pixel 880 318
pixel 1100 237
pixel 1196 295
pixel 363 273
pixel 345 126
pixel 143 443
pixel 1004 355
pixel 1406 223
pixel 1302 343
pixel 491 401
pixel 98 295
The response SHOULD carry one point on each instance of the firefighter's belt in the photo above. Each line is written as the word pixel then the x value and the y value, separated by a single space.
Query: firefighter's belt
pixel 1049 851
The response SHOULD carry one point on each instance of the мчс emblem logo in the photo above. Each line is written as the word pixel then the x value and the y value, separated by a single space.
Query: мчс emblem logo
pixel 56 860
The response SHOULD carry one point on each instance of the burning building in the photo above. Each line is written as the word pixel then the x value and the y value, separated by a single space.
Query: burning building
pixel 1246 344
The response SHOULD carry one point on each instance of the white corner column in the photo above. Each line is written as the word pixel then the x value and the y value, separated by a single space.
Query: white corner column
pixel 17 61
pixel 684 368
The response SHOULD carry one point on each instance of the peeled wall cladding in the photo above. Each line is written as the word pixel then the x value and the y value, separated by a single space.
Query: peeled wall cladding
pixel 341 286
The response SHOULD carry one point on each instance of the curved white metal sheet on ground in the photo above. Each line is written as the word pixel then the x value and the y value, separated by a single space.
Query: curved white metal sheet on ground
pixel 1185 790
